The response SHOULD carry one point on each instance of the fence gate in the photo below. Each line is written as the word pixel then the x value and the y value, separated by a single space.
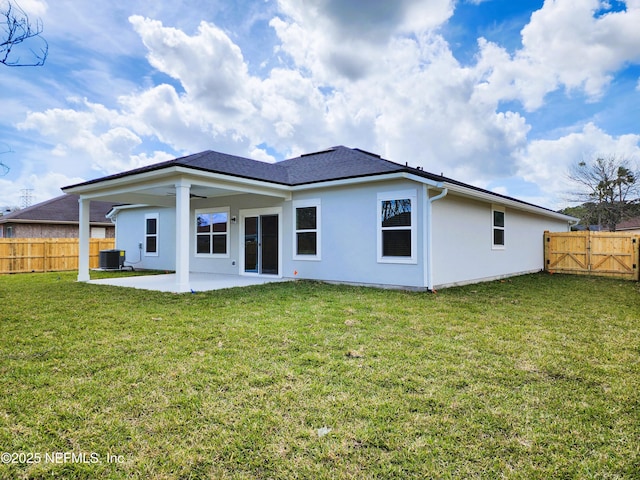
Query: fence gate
pixel 611 254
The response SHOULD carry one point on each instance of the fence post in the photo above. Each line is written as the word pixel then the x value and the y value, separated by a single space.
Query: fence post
pixel 545 240
pixel 588 259
pixel 45 247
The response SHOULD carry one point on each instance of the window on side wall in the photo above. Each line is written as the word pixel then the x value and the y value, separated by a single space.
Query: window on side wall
pixel 498 217
pixel 151 234
pixel 306 230
pixel 397 237
pixel 212 232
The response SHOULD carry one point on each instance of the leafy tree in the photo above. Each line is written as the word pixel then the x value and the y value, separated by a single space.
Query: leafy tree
pixel 15 31
pixel 609 190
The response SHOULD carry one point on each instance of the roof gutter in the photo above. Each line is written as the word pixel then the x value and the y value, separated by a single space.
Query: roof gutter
pixel 506 201
pixel 111 214
pixel 51 222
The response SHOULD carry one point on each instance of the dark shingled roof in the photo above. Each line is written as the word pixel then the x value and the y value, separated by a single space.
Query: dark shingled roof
pixel 337 163
pixel 60 209
pixel 217 162
pixel 214 162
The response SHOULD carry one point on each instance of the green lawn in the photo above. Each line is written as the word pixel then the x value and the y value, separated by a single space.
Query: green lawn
pixel 532 377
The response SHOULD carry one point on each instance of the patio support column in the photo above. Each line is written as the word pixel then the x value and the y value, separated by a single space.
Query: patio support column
pixel 84 206
pixel 183 190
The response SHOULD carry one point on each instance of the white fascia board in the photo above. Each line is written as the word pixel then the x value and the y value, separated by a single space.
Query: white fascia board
pixel 169 175
pixel 425 181
pixel 233 183
pixel 100 192
pixel 497 199
pixel 118 208
pixel 121 184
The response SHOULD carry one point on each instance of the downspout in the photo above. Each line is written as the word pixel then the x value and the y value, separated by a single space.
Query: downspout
pixel 428 233
pixel 113 216
pixel 573 223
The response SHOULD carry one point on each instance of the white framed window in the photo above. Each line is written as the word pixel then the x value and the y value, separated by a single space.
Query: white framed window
pixel 397 227
pixel 497 227
pixel 98 232
pixel 151 235
pixel 306 229
pixel 212 232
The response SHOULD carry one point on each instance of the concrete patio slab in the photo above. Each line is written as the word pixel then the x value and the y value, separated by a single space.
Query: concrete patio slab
pixel 199 282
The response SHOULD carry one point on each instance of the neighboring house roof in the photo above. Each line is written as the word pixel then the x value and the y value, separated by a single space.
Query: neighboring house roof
pixel 630 224
pixel 337 163
pixel 60 210
pixel 591 228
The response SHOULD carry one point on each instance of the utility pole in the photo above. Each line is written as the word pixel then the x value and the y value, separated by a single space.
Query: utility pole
pixel 26 197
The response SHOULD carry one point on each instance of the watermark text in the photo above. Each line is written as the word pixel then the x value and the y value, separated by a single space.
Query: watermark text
pixel 29 458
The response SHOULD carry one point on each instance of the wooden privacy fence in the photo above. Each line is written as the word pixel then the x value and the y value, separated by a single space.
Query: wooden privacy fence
pixel 20 255
pixel 611 254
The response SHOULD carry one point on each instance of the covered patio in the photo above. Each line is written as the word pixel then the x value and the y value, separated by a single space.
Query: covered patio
pixel 199 282
pixel 183 185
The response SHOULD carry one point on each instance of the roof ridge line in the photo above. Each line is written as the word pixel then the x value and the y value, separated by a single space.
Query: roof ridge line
pixel 39 204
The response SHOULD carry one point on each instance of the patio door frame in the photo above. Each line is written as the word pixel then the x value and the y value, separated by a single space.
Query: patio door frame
pixel 258 212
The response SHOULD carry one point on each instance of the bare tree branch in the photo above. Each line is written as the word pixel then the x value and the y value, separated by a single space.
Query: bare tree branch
pixel 4 169
pixel 17 29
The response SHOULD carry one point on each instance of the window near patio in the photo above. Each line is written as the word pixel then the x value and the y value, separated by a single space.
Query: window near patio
pixel 307 230
pixel 498 217
pixel 397 227
pixel 151 235
pixel 212 232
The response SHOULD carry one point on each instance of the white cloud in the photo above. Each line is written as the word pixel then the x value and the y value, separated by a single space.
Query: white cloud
pixel 564 44
pixel 547 162
pixel 412 101
pixel 43 187
pixel 33 8
pixel 209 65
pixel 335 38
pixel 93 138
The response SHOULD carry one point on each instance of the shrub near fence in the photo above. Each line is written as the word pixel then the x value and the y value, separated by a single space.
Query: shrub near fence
pixel 21 255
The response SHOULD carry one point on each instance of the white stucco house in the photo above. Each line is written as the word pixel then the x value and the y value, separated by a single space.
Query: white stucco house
pixel 340 215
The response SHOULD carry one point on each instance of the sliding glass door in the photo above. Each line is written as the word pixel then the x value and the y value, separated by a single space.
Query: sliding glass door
pixel 261 244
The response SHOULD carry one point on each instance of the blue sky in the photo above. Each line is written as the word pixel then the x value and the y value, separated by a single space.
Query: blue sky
pixel 502 94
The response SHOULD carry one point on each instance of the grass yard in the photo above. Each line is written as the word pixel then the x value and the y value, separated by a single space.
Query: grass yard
pixel 533 377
